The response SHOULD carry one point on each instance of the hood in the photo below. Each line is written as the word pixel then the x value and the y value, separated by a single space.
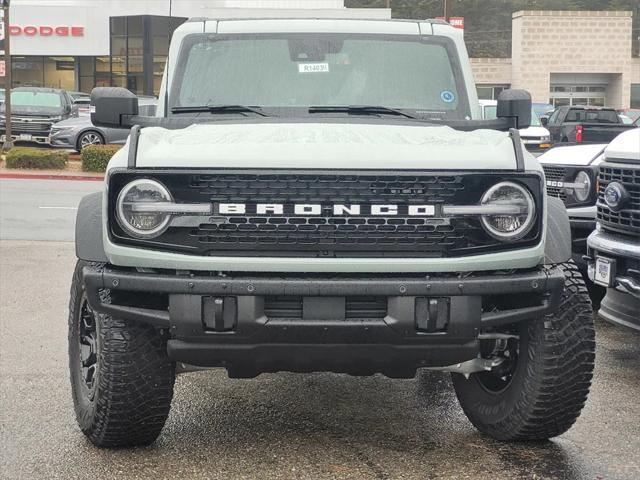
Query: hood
pixel 75 122
pixel 625 146
pixel 324 145
pixel 534 131
pixel 579 155
pixel 27 111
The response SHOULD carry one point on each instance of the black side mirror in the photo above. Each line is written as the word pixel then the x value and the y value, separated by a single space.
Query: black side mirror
pixel 515 105
pixel 544 120
pixel 113 107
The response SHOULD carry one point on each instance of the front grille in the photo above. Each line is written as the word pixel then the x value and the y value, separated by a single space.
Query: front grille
pixel 19 124
pixel 327 234
pixel 627 219
pixel 356 307
pixel 555 174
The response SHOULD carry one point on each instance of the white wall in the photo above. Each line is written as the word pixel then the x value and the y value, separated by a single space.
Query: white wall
pixel 94 15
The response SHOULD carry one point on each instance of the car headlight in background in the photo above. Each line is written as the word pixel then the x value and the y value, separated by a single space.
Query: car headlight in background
pixel 545 139
pixel 136 208
pixel 503 197
pixel 582 186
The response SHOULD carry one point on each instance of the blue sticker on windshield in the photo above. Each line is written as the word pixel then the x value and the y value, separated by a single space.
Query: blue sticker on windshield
pixel 447 96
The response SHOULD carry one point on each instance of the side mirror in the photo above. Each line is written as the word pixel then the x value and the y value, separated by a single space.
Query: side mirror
pixel 515 105
pixel 544 120
pixel 113 107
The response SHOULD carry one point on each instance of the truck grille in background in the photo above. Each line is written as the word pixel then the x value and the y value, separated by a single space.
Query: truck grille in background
pixel 356 307
pixel 555 174
pixel 328 235
pixel 627 219
pixel 30 125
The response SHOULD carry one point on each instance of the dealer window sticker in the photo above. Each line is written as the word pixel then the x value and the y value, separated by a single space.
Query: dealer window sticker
pixel 313 67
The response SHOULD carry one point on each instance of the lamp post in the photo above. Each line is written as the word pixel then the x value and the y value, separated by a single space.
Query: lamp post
pixel 8 143
pixel 447 9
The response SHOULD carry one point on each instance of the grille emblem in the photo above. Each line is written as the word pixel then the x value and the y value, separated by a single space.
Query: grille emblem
pixel 311 209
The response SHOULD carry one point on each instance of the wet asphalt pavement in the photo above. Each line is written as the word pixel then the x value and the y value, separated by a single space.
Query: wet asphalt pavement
pixel 283 425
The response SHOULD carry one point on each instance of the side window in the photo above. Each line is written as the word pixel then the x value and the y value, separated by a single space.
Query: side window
pixel 553 120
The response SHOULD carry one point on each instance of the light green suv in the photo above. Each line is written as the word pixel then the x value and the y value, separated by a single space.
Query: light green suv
pixel 321 195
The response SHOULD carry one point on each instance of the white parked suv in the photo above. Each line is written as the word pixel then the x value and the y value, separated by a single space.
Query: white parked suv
pixel 535 137
pixel 323 195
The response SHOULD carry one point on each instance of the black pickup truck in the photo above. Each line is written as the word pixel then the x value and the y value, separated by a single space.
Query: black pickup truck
pixel 581 124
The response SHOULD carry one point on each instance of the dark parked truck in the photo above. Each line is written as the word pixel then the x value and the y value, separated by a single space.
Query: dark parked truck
pixel 321 195
pixel 34 111
pixel 614 247
pixel 585 125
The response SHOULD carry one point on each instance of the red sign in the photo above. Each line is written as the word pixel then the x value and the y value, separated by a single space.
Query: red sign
pixel 457 22
pixel 46 31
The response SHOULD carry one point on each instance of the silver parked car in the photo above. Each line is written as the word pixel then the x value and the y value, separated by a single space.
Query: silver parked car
pixel 77 133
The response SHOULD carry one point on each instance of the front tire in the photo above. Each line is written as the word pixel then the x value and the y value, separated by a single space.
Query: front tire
pixel 89 138
pixel 121 377
pixel 552 361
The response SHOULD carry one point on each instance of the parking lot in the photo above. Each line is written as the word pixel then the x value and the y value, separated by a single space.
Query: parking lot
pixel 274 426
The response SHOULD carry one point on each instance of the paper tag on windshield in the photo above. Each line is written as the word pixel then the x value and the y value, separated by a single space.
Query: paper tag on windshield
pixel 313 67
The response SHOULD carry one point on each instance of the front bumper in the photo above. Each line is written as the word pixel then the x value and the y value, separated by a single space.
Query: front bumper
pixel 220 321
pixel 622 303
pixel 35 138
pixel 62 139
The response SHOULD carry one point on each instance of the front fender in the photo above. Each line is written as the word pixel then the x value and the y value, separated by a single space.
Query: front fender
pixel 89 246
pixel 557 248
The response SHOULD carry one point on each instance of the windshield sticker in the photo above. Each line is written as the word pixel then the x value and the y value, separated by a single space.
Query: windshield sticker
pixel 313 67
pixel 447 96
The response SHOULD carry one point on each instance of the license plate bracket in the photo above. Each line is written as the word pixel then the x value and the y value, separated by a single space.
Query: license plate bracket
pixel 605 271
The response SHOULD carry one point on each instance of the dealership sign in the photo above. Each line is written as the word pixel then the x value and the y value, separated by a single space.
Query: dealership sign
pixel 46 31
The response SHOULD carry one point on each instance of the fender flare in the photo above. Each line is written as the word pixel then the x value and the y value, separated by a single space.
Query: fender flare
pixel 89 245
pixel 557 247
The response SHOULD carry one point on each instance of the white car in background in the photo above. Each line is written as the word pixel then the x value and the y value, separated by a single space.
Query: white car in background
pixel 536 138
pixel 571 174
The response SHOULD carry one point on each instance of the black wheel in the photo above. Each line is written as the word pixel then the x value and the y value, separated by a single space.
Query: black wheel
pixel 539 389
pixel 121 378
pixel 89 138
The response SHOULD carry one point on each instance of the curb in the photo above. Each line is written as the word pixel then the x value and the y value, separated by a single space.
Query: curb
pixel 51 176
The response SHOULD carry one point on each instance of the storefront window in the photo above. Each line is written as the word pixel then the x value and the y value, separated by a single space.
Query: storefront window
pixel 635 95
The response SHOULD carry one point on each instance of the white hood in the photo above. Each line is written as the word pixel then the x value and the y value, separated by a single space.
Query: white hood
pixel 323 145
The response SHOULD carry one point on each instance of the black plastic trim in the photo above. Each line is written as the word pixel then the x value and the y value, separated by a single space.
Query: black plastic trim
pixel 134 137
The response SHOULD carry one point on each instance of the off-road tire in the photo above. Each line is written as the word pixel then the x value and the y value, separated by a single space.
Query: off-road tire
pixel 132 386
pixel 551 378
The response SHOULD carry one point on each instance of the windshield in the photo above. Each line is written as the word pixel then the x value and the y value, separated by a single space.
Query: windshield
pixel 36 99
pixel 304 70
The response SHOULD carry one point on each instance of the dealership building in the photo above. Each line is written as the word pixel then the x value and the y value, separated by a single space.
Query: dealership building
pixel 560 57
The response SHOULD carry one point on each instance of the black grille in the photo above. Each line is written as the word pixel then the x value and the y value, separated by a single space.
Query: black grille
pixel 327 234
pixel 555 174
pixel 627 219
pixel 356 307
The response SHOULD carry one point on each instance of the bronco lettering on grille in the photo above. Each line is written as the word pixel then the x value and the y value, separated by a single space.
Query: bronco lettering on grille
pixel 307 209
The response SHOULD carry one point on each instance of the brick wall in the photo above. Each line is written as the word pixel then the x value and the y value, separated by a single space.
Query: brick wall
pixel 546 42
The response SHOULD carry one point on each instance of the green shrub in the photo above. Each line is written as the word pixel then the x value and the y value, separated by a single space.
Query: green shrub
pixel 29 157
pixel 96 157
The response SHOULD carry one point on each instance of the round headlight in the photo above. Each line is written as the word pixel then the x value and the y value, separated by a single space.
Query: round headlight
pixel 139 222
pixel 507 227
pixel 583 186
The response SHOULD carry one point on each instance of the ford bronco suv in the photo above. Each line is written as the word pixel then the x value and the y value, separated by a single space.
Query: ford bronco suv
pixel 322 195
pixel 614 247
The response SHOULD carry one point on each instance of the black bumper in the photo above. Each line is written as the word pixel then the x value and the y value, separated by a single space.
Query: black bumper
pixel 232 322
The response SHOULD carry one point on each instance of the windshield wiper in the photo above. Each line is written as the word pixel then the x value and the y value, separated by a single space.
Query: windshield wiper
pixel 220 109
pixel 361 109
